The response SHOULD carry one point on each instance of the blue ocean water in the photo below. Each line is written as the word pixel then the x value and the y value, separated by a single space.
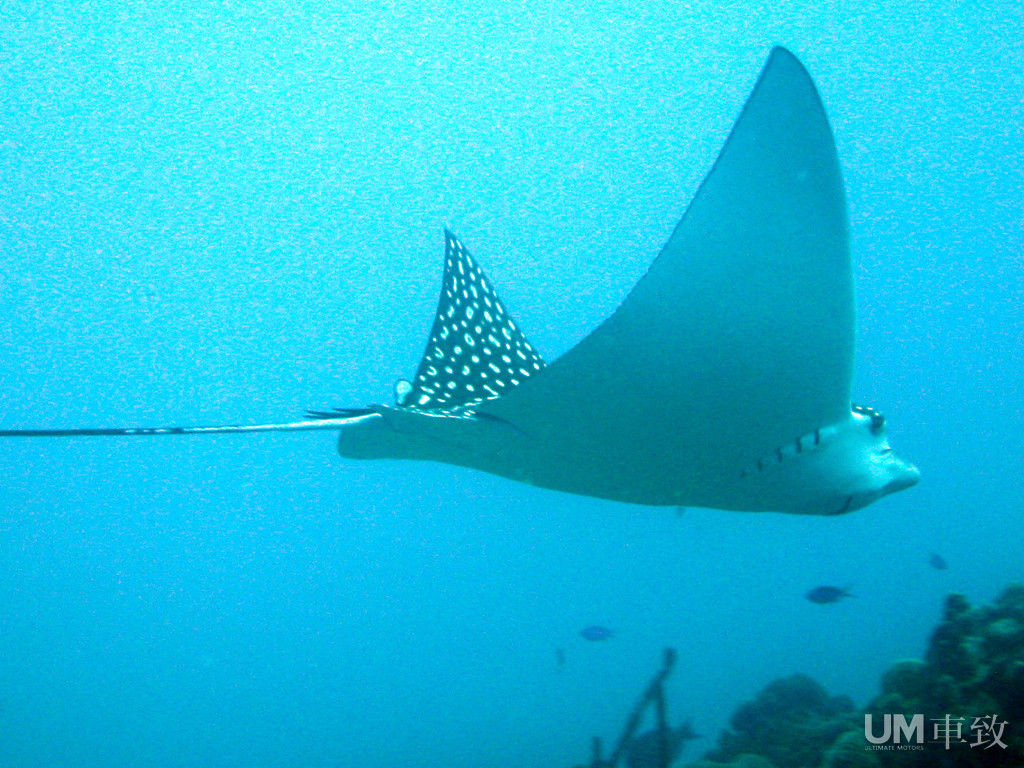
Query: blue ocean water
pixel 230 212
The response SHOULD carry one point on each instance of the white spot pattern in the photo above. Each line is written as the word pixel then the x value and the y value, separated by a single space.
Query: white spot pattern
pixel 452 376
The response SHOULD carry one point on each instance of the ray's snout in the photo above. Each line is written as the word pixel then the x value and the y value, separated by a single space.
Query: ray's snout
pixel 904 475
pixel 891 473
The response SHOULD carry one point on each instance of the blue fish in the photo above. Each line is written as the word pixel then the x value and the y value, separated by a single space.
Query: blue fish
pixel 938 562
pixel 596 633
pixel 822 595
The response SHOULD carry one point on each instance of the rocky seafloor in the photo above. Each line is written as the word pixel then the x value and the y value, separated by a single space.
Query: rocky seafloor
pixel 973 673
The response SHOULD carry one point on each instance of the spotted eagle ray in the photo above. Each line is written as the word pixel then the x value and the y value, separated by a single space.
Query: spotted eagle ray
pixel 722 380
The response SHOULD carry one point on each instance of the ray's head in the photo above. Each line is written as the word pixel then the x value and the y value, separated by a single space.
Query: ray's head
pixel 880 471
pixel 837 468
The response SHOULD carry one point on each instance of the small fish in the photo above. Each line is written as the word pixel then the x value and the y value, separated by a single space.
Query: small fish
pixel 822 595
pixel 596 633
pixel 938 562
pixel 560 657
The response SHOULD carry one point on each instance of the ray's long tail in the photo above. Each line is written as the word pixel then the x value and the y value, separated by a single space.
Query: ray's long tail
pixel 324 422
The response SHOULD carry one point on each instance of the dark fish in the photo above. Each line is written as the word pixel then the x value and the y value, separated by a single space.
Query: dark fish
pixel 822 595
pixel 645 751
pixel 938 562
pixel 560 657
pixel 596 633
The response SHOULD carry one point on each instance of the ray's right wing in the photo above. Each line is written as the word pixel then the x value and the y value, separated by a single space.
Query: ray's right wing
pixel 740 337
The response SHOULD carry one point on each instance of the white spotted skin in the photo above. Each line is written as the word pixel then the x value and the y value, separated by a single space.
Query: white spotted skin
pixel 476 352
pixel 842 468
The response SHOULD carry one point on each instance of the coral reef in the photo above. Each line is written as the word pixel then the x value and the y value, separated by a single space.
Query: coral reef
pixel 740 761
pixel 790 723
pixel 968 690
pixel 973 672
pixel 848 752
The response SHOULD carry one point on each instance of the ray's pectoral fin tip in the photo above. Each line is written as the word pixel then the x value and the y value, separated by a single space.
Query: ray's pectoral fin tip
pixel 659 405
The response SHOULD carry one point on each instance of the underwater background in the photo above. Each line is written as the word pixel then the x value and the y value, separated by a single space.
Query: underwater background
pixel 222 212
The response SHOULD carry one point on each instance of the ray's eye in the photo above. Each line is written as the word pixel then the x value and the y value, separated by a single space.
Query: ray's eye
pixel 877 419
pixel 877 422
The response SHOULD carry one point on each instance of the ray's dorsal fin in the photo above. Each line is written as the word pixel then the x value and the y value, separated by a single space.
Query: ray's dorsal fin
pixel 475 351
